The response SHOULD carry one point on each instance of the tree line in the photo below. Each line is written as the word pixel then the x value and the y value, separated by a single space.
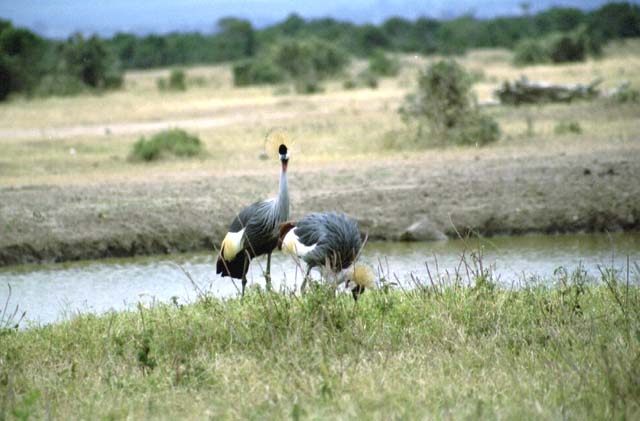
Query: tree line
pixel 38 66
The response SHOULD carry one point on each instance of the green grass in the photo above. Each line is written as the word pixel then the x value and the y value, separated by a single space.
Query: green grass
pixel 461 351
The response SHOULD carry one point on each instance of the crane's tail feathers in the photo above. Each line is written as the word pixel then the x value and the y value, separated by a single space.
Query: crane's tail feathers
pixel 285 227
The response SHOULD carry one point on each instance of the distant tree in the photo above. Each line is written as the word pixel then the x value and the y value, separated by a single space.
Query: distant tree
pixel 372 38
pixel 6 76
pixel 21 59
pixel 309 58
pixel 401 34
pixel 151 51
pixel 90 61
pixel 426 35
pixel 562 19
pixel 236 38
pixel 124 47
pixel 616 20
pixel 292 24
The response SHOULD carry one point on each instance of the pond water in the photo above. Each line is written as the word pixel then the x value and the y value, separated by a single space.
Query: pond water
pixel 54 292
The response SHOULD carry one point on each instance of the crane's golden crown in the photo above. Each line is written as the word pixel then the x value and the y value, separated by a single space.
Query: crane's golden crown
pixel 274 139
pixel 363 275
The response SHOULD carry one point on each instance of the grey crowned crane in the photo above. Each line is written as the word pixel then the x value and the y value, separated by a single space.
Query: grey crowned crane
pixel 329 240
pixel 254 231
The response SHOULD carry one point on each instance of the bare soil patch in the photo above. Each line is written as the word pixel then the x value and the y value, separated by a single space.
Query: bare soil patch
pixel 412 199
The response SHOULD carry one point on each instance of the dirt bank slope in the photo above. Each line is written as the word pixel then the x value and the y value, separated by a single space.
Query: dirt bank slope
pixel 502 195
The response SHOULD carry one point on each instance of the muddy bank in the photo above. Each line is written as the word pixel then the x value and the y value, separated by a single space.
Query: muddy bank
pixel 410 200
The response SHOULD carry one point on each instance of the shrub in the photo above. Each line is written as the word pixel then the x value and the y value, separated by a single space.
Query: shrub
pixel 561 47
pixel 626 94
pixel 566 48
pixel 368 79
pixel 381 64
pixel 363 79
pixel 256 72
pixel 161 83
pixel 349 84
pixel 176 142
pixel 307 86
pixel 529 51
pixel 475 129
pixel 445 104
pixel 177 80
pixel 566 127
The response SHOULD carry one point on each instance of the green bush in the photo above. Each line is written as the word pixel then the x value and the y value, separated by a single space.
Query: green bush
pixel 176 142
pixel 256 71
pixel 349 84
pixel 368 79
pixel 445 104
pixel 530 51
pixel 177 80
pixel 475 129
pixel 380 64
pixel 559 47
pixel 626 94
pixel 308 86
pixel 566 48
pixel 566 127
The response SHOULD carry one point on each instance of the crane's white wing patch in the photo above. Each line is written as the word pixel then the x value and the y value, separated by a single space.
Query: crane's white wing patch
pixel 232 244
pixel 291 244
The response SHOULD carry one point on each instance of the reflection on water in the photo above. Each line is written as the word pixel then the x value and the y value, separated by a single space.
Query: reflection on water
pixel 53 292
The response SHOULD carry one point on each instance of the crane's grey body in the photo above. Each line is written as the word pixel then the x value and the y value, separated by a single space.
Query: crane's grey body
pixel 261 220
pixel 336 238
pixel 254 231
pixel 330 241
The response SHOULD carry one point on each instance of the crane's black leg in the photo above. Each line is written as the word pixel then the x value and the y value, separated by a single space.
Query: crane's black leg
pixel 306 278
pixel 247 260
pixel 267 276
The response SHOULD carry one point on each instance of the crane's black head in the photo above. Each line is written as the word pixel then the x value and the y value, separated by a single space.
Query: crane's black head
pixel 359 289
pixel 282 150
pixel 284 156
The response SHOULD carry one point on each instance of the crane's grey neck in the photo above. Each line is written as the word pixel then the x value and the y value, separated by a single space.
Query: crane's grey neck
pixel 282 201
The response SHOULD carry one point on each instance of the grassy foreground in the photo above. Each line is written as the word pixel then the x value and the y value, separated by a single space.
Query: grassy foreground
pixel 569 350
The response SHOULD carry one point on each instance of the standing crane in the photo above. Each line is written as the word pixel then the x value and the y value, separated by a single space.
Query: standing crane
pixel 330 240
pixel 254 231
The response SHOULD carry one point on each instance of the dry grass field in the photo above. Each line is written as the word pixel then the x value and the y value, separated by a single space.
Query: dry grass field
pixel 39 137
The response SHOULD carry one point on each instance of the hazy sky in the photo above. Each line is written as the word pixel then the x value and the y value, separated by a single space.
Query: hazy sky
pixel 59 18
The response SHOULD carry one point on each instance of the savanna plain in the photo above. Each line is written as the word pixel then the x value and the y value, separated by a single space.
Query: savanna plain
pixel 453 346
